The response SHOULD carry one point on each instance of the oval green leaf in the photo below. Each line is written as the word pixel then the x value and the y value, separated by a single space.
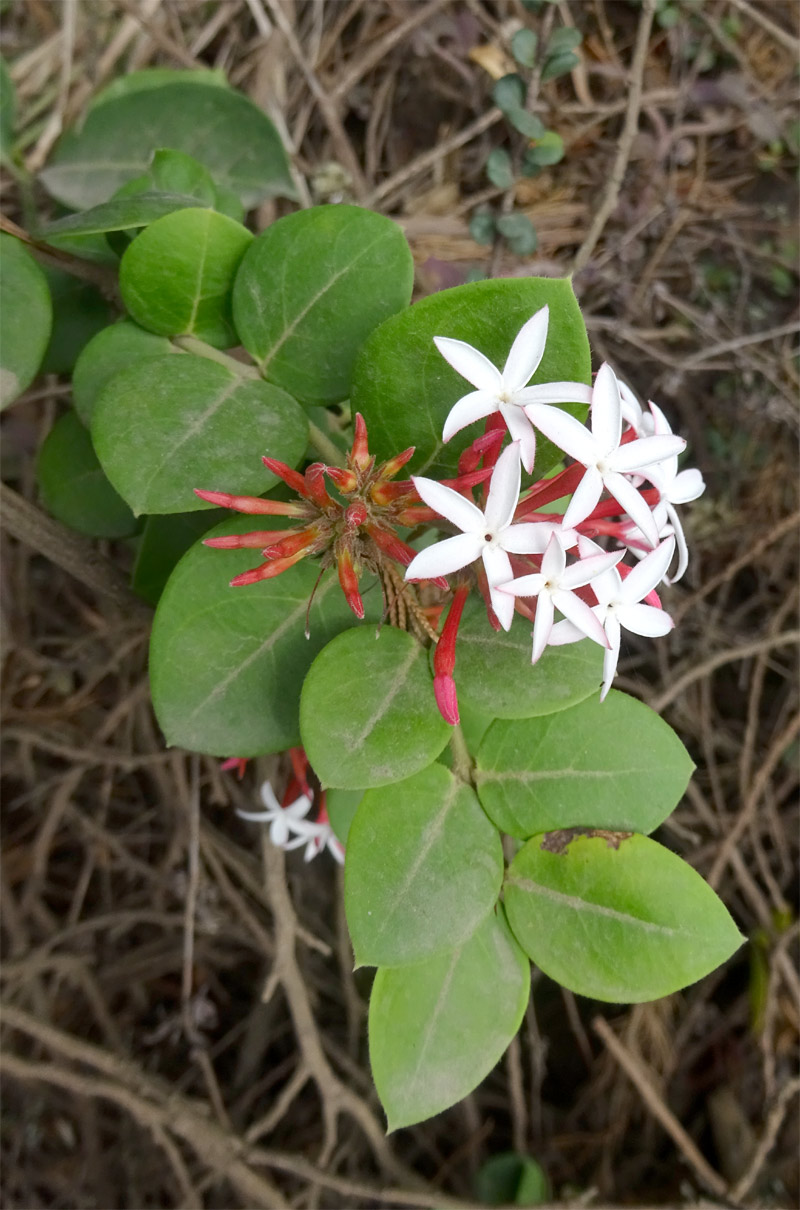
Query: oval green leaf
pixel 424 867
pixel 73 487
pixel 494 671
pixel 176 277
pixel 622 920
pixel 226 132
pixel 486 314
pixel 311 288
pixel 163 542
pixel 368 716
pixel 26 317
pixel 612 764
pixel 438 1028
pixel 227 664
pixel 342 806
pixel 158 77
pixel 111 350
pixel 124 214
pixel 79 313
pixel 170 424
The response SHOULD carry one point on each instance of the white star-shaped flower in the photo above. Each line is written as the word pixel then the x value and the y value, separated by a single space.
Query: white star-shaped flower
pixel 607 461
pixel 289 828
pixel 506 391
pixel 554 586
pixel 619 605
pixel 487 535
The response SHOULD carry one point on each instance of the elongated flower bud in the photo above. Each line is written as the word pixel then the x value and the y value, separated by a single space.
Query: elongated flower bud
pixel 267 571
pixel 256 540
pixel 359 456
pixel 292 479
pixel 253 504
pixel 345 479
pixel 348 578
pixel 444 659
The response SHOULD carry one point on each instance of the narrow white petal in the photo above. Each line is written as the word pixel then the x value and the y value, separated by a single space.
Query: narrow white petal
pixel 450 504
pixel 268 797
pixel 499 571
pixel 645 619
pixel 660 425
pixel 469 408
pixel 635 506
pixel 554 392
pixel 258 816
pixel 523 586
pixel 470 364
pixel 581 615
pixel 554 559
pixel 610 657
pixel 631 408
pixel 585 570
pixel 527 538
pixel 686 486
pixel 542 625
pixel 522 432
pixel 279 831
pixel 503 494
pixel 526 351
pixel 584 498
pixel 564 431
pixel 648 574
pixel 565 632
pixel 644 451
pixel 443 558
pixel 606 417
pixel 680 538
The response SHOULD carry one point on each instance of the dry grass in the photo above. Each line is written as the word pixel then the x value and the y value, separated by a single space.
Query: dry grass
pixel 182 1025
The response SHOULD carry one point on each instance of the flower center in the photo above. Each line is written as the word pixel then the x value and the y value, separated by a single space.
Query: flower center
pixel 488 537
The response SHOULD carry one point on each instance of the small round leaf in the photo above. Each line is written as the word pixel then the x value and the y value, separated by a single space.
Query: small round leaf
pixel 73 487
pixel 26 316
pixel 112 349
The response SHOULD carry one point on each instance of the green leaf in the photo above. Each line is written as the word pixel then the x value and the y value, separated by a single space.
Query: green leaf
pixel 26 317
pixel 564 39
pixel 113 348
pixel 175 172
pixel 73 487
pixel 122 215
pixel 612 764
pixel 548 150
pixel 560 65
pixel 158 77
pixel 8 111
pixel 520 233
pixel 482 227
pixel 368 716
pixel 225 131
pixel 310 290
pixel 526 123
pixel 164 541
pixel 176 277
pixel 623 920
pixel 167 425
pixel 227 664
pixel 424 867
pixel 509 1178
pixel 499 170
pixel 79 312
pixel 438 1028
pixel 523 47
pixel 509 92
pixel 342 806
pixel 494 671
pixel 486 314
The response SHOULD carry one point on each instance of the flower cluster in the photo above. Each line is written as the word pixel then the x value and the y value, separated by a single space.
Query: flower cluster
pixel 624 484
pixel 289 825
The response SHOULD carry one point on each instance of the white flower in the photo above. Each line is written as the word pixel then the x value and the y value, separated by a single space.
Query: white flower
pixel 554 585
pixel 619 606
pixel 607 462
pixel 289 828
pixel 506 391
pixel 674 487
pixel 485 535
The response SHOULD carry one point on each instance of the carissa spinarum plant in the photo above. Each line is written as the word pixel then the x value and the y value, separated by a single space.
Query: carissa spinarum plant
pixel 419 591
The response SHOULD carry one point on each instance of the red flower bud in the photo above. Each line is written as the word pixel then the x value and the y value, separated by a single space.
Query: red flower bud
pixel 253 504
pixel 348 578
pixel 345 480
pixel 359 455
pixel 292 479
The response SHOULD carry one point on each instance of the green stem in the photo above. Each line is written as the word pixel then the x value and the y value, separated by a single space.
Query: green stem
pixel 462 763
pixel 318 441
pixel 190 344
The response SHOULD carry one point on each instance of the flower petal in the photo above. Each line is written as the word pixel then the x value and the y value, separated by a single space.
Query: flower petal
pixel 565 632
pixel 443 558
pixel 581 615
pixel 645 451
pixel 554 392
pixel 470 364
pixel 680 538
pixel 503 489
pixel 522 433
pixel 542 625
pixel 584 498
pixel 268 797
pixel 635 505
pixel 449 504
pixel 469 408
pixel 611 656
pixel 564 431
pixel 645 619
pixel 686 486
pixel 499 571
pixel 523 586
pixel 554 559
pixel 606 416
pixel 585 570
pixel 526 351
pixel 528 538
pixel 648 574
pixel 631 408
